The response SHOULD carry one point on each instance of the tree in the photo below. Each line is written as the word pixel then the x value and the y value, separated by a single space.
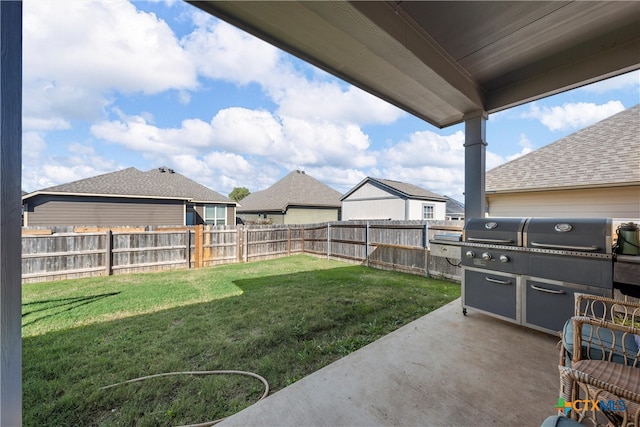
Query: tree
pixel 239 193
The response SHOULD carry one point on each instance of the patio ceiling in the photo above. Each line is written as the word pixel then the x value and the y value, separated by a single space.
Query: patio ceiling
pixel 442 61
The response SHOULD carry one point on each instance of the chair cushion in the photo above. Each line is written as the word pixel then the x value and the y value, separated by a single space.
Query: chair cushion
pixel 596 352
pixel 624 377
pixel 559 421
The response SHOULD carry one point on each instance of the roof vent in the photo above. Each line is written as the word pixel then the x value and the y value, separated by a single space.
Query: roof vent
pixel 162 169
pixel 171 171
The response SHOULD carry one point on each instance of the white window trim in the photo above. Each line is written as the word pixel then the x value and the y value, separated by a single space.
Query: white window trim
pixel 215 220
pixel 433 210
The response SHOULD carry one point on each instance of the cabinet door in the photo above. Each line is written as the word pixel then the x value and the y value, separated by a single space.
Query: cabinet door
pixel 548 304
pixel 491 292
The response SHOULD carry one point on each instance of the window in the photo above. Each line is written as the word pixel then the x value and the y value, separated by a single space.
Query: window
pixel 215 214
pixel 191 218
pixel 427 211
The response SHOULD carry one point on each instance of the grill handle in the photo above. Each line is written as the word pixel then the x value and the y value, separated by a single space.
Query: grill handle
pixel 549 291
pixel 565 248
pixel 499 282
pixel 494 241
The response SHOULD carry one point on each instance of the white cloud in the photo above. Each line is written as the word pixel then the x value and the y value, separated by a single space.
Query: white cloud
pixel 228 163
pixel 247 131
pixel 426 148
pixel 32 145
pixel 220 51
pixel 428 160
pixel 628 81
pixel 289 142
pixel 322 142
pixel 321 100
pixel 527 147
pixel 493 160
pixel 44 124
pixel 573 116
pixel 223 52
pixel 80 162
pixel 77 52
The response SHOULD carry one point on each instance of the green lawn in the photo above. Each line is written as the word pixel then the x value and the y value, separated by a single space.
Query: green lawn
pixel 282 319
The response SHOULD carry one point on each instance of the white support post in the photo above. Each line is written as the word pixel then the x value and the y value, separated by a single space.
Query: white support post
pixel 10 212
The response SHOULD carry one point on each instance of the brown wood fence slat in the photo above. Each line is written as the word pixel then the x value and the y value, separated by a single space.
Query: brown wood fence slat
pixel 390 245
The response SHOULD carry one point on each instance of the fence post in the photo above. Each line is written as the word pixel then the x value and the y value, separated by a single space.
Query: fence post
pixel 199 246
pixel 108 249
pixel 425 244
pixel 238 243
pixel 288 240
pixel 187 253
pixel 366 243
pixel 302 236
pixel 245 245
pixel 328 240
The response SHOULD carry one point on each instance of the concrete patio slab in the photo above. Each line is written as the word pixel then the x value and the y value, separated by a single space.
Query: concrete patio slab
pixel 444 369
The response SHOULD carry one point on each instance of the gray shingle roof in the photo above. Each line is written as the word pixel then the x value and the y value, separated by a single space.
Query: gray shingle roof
pixel 401 188
pixel 605 153
pixel 454 207
pixel 295 189
pixel 161 182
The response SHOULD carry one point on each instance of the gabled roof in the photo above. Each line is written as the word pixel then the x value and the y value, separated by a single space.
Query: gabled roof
pixel 160 183
pixel 295 189
pixel 400 189
pixel 606 153
pixel 454 207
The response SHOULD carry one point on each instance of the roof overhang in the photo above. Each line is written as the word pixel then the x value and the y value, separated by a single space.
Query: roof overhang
pixel 444 60
pixel 120 196
pixel 630 184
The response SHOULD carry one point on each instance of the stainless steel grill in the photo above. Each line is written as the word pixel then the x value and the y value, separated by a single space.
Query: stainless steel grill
pixel 527 270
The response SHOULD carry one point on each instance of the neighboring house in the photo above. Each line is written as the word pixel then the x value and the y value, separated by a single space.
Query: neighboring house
pixel 594 172
pixel 295 199
pixel 129 197
pixel 375 198
pixel 455 210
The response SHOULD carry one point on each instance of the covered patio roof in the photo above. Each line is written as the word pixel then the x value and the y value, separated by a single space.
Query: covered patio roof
pixel 445 60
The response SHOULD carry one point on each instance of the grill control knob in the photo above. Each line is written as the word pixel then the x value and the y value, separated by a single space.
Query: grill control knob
pixel 470 254
pixel 504 258
pixel 486 256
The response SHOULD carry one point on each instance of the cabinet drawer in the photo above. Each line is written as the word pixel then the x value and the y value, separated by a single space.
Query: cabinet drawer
pixel 548 304
pixel 495 293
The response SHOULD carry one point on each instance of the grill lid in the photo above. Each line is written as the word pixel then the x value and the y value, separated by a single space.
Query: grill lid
pixel 496 231
pixel 569 234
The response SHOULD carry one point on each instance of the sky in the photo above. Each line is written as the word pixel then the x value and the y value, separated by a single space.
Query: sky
pixel 114 84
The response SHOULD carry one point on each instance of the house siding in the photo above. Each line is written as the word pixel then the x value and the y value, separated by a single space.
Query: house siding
pixel 612 202
pixel 51 210
pixel 371 202
pixel 387 208
pixel 310 215
pixel 275 217
pixel 415 209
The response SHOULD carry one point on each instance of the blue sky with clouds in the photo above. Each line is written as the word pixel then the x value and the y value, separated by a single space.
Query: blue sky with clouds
pixel 114 84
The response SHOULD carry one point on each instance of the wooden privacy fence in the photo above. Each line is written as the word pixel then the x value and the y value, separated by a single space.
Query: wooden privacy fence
pixel 86 252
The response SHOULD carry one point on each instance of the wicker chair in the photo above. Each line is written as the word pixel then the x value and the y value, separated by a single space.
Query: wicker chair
pixel 606 367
